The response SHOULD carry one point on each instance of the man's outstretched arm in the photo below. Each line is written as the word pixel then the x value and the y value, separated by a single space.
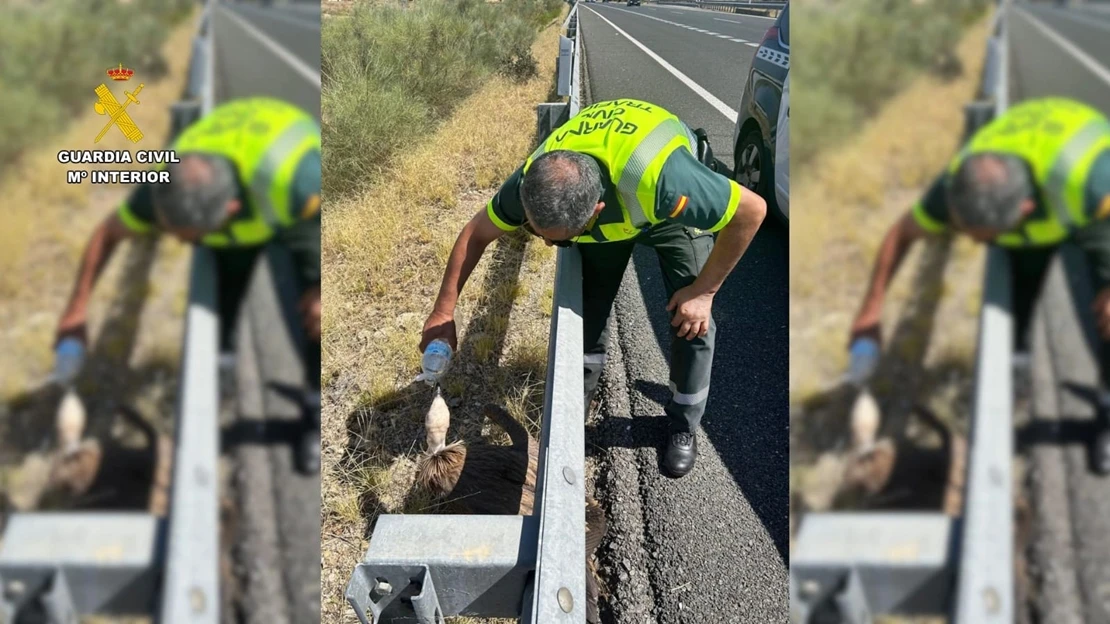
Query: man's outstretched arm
pixel 478 233
pixel 893 250
pixel 98 251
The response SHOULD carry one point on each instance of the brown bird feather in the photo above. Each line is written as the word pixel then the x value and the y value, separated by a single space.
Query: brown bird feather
pixel 899 473
pixel 501 480
pixel 108 474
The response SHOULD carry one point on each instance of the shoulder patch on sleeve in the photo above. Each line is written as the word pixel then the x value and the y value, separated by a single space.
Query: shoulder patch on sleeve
pixel 311 207
pixel 1103 208
pixel 680 205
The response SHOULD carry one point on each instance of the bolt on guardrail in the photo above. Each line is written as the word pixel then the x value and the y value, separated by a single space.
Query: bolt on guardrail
pixel 852 566
pixel 426 567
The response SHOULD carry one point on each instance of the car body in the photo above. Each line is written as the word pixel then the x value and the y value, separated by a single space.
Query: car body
pixel 782 151
pixel 633 3
pixel 755 135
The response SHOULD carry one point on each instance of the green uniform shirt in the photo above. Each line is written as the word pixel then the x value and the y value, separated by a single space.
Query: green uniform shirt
pixel 696 196
pixel 302 239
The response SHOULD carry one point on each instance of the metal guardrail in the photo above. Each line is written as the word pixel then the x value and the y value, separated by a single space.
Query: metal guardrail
pixel 985 591
pixel 853 566
pixel 724 5
pixel 424 567
pixel 560 584
pixel 191 589
pixel 58 566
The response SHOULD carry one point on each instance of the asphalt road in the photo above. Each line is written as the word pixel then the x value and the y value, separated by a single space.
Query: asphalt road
pixel 268 51
pixel 711 547
pixel 1064 52
pixel 271 516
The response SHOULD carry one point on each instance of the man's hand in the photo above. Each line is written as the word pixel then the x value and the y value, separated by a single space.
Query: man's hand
pixel 310 311
pixel 1101 308
pixel 439 325
pixel 691 312
pixel 866 325
pixel 72 325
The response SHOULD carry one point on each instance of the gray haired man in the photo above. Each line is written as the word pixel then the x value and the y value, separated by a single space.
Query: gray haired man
pixel 248 178
pixel 1036 177
pixel 622 173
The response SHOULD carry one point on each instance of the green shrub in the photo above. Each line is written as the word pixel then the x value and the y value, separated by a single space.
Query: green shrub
pixel 390 72
pixel 851 56
pixel 50 52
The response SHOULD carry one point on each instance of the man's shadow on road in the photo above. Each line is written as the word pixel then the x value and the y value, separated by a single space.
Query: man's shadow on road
pixel 1080 418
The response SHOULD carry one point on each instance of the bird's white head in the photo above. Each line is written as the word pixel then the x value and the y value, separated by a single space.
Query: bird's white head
pixel 436 423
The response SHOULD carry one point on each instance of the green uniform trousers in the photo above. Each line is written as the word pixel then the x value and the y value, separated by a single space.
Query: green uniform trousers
pixel 682 253
pixel 1029 266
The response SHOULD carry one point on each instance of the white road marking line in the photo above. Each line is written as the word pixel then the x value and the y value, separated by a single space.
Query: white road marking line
pixel 1095 22
pixel 728 20
pixel 713 101
pixel 1084 59
pixel 693 28
pixel 746 16
pixel 754 45
pixel 297 64
pixel 280 16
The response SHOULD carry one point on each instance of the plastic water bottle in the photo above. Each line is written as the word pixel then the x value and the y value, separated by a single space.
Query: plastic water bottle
pixel 69 356
pixel 864 354
pixel 436 358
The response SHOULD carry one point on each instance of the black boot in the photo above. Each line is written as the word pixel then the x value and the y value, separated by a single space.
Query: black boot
pixel 1099 451
pixel 308 447
pixel 682 451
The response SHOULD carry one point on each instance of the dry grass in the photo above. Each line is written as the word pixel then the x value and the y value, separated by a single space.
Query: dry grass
pixel 861 189
pixel 384 253
pixel 134 315
pixel 49 223
pixel 855 193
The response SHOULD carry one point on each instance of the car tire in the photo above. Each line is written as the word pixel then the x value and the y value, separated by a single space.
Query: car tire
pixel 755 170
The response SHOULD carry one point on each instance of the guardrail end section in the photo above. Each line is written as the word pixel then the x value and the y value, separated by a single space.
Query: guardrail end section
pixel 391 592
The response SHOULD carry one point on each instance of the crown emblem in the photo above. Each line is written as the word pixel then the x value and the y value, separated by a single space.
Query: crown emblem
pixel 120 73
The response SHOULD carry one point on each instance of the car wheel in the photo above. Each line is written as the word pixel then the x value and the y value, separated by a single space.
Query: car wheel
pixel 755 170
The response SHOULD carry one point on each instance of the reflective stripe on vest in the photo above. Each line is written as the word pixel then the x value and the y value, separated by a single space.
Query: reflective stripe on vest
pixel 1059 140
pixel 1062 195
pixel 657 145
pixel 601 131
pixel 272 180
pixel 265 139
